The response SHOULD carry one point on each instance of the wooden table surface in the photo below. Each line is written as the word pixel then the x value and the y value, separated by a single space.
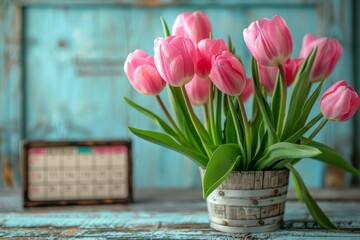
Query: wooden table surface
pixel 169 214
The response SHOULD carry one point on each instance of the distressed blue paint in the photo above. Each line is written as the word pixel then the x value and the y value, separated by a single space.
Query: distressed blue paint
pixel 11 85
pixel 2 96
pixel 60 105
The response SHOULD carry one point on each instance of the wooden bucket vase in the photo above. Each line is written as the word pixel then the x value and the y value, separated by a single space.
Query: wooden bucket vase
pixel 249 201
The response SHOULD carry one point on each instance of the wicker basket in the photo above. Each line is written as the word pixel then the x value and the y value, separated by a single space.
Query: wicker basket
pixel 249 201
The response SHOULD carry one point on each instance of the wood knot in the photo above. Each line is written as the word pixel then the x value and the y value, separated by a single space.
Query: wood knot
pixel 62 43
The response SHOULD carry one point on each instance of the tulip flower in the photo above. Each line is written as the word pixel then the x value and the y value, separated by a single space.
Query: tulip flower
pixel 269 41
pixel 268 75
pixel 328 53
pixel 249 89
pixel 174 59
pixel 198 90
pixel 340 102
pixel 193 25
pixel 228 74
pixel 291 67
pixel 140 69
pixel 206 50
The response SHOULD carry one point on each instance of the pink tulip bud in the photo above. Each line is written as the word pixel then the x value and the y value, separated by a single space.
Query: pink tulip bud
pixel 228 74
pixel 140 69
pixel 174 59
pixel 268 75
pixel 248 91
pixel 198 90
pixel 328 53
pixel 206 49
pixel 269 41
pixel 339 102
pixel 193 25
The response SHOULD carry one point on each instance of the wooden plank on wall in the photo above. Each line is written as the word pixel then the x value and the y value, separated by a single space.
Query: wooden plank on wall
pixel 11 82
pixel 356 122
pixel 2 95
pixel 337 19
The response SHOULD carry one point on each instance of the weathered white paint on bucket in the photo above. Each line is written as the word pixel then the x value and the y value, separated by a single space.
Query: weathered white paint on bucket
pixel 249 201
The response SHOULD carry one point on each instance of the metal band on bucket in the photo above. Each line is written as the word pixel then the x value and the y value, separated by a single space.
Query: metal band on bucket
pixel 246 222
pixel 252 193
pixel 215 199
pixel 245 229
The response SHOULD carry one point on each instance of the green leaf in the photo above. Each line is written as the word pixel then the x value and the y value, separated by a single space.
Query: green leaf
pixel 223 161
pixel 315 211
pixel 307 108
pixel 261 146
pixel 298 95
pixel 332 157
pixel 230 45
pixel 168 142
pixel 263 104
pixel 297 188
pixel 156 119
pixel 276 99
pixel 284 150
pixel 165 27
pixel 230 133
pixel 281 164
pixel 183 118
pixel 256 132
pixel 296 136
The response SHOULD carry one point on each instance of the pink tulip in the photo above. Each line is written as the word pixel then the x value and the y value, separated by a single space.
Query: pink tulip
pixel 174 59
pixel 207 49
pixel 268 75
pixel 140 69
pixel 194 25
pixel 328 53
pixel 198 90
pixel 291 67
pixel 228 74
pixel 340 102
pixel 249 89
pixel 269 41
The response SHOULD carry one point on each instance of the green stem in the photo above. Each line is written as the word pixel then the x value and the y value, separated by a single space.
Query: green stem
pixel 247 130
pixel 283 92
pixel 193 118
pixel 206 114
pixel 211 115
pixel 316 131
pixel 237 127
pixel 171 120
pixel 218 122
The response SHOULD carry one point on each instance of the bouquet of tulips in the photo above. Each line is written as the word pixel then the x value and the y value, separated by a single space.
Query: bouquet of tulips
pixel 201 70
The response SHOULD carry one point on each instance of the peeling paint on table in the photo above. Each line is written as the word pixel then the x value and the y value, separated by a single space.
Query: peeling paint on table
pixel 166 218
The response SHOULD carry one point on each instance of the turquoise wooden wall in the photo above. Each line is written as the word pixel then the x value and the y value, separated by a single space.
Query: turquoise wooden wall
pixel 61 72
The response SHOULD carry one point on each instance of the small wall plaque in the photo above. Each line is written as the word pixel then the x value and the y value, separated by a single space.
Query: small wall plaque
pixel 72 173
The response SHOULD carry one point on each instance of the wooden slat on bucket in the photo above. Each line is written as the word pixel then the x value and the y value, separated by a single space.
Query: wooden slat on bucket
pixel 249 201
